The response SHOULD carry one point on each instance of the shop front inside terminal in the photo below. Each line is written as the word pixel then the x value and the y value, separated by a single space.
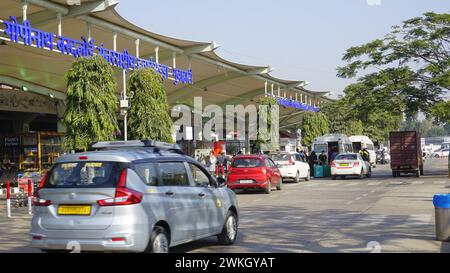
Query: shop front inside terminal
pixel 29 137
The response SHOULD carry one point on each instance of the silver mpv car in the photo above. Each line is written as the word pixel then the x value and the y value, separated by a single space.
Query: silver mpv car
pixel 138 196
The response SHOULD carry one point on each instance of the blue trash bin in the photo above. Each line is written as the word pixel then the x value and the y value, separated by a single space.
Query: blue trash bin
pixel 441 204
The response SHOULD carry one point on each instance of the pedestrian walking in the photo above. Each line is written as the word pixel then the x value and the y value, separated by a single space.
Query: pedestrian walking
pixel 312 160
pixel 322 158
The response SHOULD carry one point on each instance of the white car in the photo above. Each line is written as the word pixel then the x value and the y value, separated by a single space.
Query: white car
pixel 442 153
pixel 292 166
pixel 350 164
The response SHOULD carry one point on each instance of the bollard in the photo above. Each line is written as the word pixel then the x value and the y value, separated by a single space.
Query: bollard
pixel 217 171
pixel 8 199
pixel 30 195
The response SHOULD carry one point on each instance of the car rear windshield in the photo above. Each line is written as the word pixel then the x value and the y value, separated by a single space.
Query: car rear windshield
pixel 346 157
pixel 281 157
pixel 84 175
pixel 247 163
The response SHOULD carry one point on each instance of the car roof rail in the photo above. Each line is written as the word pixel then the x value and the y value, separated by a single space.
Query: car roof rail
pixel 157 145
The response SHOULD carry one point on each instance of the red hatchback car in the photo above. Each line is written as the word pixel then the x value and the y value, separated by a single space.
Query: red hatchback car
pixel 254 172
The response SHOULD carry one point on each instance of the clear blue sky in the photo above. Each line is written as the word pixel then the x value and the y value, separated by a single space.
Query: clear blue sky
pixel 302 40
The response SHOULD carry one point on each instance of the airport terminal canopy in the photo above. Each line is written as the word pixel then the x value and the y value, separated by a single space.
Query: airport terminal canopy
pixel 217 80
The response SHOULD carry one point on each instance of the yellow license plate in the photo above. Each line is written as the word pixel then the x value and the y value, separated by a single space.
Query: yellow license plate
pixel 344 165
pixel 74 210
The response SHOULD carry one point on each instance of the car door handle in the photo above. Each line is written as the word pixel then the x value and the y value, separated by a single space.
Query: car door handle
pixel 170 193
pixel 202 194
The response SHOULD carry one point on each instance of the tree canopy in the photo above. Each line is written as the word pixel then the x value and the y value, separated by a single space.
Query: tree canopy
pixel 148 116
pixel 313 125
pixel 91 103
pixel 411 64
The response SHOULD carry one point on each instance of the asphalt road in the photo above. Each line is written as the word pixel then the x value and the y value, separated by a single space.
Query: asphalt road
pixel 380 214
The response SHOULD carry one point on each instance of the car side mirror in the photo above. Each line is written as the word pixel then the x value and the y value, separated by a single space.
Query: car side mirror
pixel 221 182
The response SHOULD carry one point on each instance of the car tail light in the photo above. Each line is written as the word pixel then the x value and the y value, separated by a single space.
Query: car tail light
pixel 356 164
pixel 118 239
pixel 332 164
pixel 123 196
pixel 41 184
pixel 39 202
pixel 264 171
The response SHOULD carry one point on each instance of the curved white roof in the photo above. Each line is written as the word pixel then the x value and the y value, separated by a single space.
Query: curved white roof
pixel 216 79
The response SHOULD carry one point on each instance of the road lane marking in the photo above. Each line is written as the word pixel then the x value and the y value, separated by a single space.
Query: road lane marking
pixel 333 184
pixel 439 182
pixel 374 183
pixel 354 184
pixel 418 182
pixel 419 219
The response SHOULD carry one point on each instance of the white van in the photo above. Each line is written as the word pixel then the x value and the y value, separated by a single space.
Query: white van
pixel 361 142
pixel 328 143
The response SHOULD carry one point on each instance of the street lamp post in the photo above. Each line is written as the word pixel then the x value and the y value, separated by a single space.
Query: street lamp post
pixel 124 105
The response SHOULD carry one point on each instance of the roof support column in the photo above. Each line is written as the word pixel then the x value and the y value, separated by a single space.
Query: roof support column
pixel 24 9
pixel 88 27
pixel 265 88
pixel 115 41
pixel 59 22
pixel 271 90
pixel 301 98
pixel 137 42
pixel 174 59
pixel 190 62
pixel 157 54
pixel 296 96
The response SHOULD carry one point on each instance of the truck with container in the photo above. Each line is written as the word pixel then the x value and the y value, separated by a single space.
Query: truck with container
pixel 406 153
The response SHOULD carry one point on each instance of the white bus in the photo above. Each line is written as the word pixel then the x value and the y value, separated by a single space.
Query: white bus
pixel 361 142
pixel 331 142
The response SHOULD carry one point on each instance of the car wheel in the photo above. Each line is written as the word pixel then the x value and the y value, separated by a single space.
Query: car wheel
pixel 159 241
pixel 269 188
pixel 361 175
pixel 280 185
pixel 343 177
pixel 229 230
pixel 333 177
pixel 297 177
pixel 308 176
pixel 369 173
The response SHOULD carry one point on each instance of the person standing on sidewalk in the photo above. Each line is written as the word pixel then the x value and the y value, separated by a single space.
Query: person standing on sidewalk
pixel 212 161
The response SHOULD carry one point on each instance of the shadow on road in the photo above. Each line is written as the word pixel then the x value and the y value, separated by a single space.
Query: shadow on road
pixel 292 229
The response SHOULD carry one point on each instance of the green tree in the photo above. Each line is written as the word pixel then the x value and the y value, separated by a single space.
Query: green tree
pixel 440 112
pixel 313 125
pixel 148 116
pixel 341 119
pixel 411 63
pixel 263 139
pixel 91 103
